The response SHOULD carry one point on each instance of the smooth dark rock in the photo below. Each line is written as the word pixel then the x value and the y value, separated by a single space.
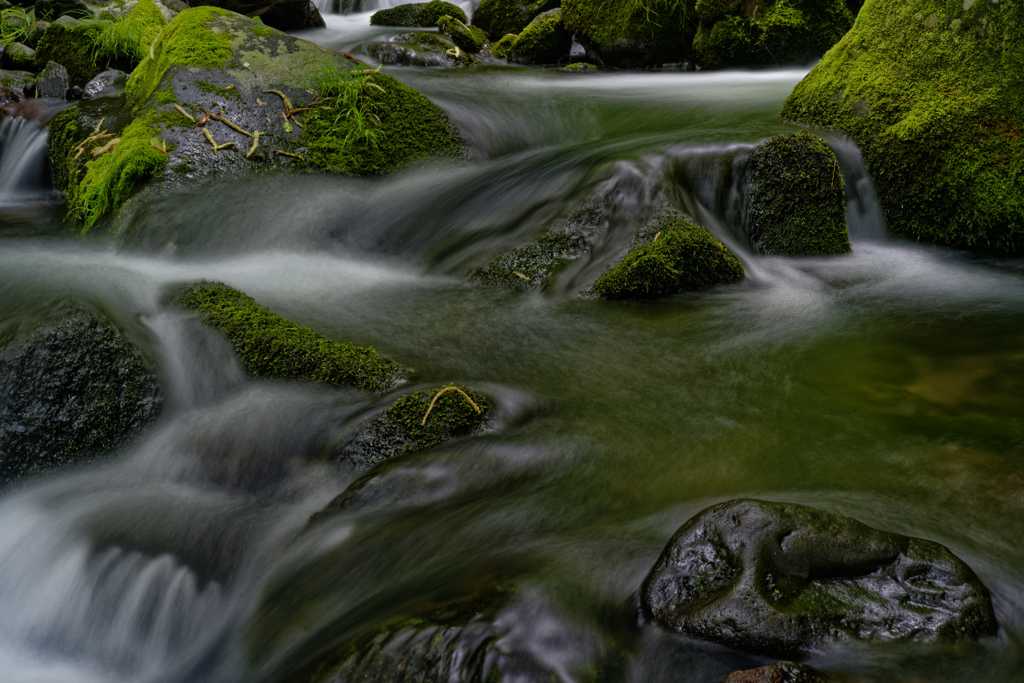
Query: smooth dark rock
pixel 51 9
pixel 285 15
pixel 74 389
pixel 110 83
pixel 53 82
pixel 779 672
pixel 784 579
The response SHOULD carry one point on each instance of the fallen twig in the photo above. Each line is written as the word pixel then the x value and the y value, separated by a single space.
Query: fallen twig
pixel 255 143
pixel 438 395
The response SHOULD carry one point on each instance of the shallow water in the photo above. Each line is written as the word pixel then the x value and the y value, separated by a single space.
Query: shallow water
pixel 887 384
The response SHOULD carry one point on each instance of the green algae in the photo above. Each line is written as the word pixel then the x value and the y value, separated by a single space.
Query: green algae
pixel 797 205
pixel 933 94
pixel 271 346
pixel 683 257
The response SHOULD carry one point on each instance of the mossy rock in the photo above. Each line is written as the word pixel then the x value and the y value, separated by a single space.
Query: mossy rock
pixel 209 59
pixel 624 33
pixel 502 47
pixel 543 41
pixel 468 38
pixel 580 68
pixel 419 48
pixel 417 14
pixel 270 346
pixel 285 15
pixel 501 17
pixel 674 256
pixel 933 94
pixel 74 389
pixel 20 56
pixel 731 34
pixel 796 197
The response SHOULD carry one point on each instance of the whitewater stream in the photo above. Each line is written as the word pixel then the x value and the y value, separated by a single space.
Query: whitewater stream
pixel 886 384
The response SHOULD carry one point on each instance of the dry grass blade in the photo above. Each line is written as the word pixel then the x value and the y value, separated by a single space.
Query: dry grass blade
pixel 445 390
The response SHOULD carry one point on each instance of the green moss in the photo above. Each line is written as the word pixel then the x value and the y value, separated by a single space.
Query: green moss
pixel 186 41
pixel 797 205
pixel 270 346
pixel 261 30
pixel 579 68
pixel 632 33
pixel 410 130
pixel 683 257
pixel 468 38
pixel 532 264
pixel 501 48
pixel 933 93
pixel 417 14
pixel 501 17
pixel 65 132
pixel 543 41
pixel 783 32
pixel 73 48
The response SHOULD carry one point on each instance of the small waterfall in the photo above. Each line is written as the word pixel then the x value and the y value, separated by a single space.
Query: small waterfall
pixel 23 167
pixel 864 219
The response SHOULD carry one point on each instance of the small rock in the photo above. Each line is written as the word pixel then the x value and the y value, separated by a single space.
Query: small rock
pixel 110 83
pixel 20 56
pixel 53 82
pixel 779 672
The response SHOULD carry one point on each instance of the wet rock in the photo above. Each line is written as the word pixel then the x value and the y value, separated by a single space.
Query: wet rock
pixel 784 579
pixel 673 256
pixel 420 48
pixel 779 672
pixel 417 14
pixel 109 83
pixel 543 41
pixel 501 17
pixel 53 82
pixel 946 164
pixel 796 198
pixel 51 9
pixel 467 38
pixel 74 389
pixel 13 85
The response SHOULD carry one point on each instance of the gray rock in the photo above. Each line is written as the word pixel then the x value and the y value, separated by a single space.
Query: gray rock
pixel 110 83
pixel 53 82
pixel 50 9
pixel 75 388
pixel 784 579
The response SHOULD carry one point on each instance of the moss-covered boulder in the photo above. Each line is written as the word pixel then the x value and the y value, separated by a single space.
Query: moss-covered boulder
pixel 673 256
pixel 783 580
pixel 419 48
pixel 265 99
pixel 732 33
pixel 543 41
pixel 501 17
pixel 19 57
pixel 13 84
pixel 73 389
pixel 502 47
pixel 415 422
pixel 268 345
pixel 933 93
pixel 286 15
pixel 417 14
pixel 796 197
pixel 468 38
pixel 624 33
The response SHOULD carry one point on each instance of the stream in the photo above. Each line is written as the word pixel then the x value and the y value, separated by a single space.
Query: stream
pixel 886 384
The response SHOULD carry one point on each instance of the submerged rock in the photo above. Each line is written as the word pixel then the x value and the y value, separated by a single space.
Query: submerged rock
pixel 779 672
pixel 543 41
pixel 271 346
pixel 673 256
pixel 796 200
pixel 784 579
pixel 417 14
pixel 74 389
pixel 933 94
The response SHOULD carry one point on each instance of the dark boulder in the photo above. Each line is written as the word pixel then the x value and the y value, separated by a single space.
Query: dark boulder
pixel 19 56
pixel 74 389
pixel 796 198
pixel 784 579
pixel 501 17
pixel 779 672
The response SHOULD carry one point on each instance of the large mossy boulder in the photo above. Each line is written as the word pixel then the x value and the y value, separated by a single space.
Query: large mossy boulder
pixel 467 38
pixel 784 579
pixel 270 346
pixel 543 41
pixel 933 93
pixel 796 197
pixel 286 15
pixel 501 17
pixel 417 14
pixel 75 388
pixel 265 99
pixel 674 256
pixel 732 33
pixel 624 33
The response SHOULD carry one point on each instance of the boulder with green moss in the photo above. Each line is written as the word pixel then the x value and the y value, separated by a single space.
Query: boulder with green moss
pixel 732 33
pixel 20 57
pixel 796 197
pixel 286 15
pixel 419 48
pixel 624 33
pixel 933 94
pixel 417 14
pixel 267 100
pixel 468 38
pixel 74 388
pixel 502 47
pixel 268 345
pixel 672 256
pixel 543 41
pixel 13 84
pixel 501 17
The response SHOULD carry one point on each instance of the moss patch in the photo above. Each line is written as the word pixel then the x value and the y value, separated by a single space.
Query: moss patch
pixel 797 205
pixel 543 41
pixel 501 48
pixel 933 93
pixel 271 346
pixel 683 257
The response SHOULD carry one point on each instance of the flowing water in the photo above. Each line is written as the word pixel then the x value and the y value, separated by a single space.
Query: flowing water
pixel 887 384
